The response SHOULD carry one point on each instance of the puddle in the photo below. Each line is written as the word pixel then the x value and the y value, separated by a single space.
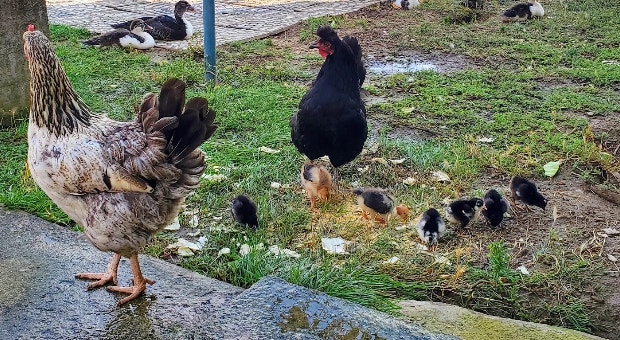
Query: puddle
pixel 315 319
pixel 398 65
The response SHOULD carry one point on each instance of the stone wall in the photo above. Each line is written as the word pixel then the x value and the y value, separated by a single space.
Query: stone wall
pixel 14 96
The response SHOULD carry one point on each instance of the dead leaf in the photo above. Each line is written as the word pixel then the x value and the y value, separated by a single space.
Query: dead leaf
pixel 175 225
pixel 611 231
pixel 409 181
pixel 612 258
pixel 335 245
pixel 379 160
pixel 223 251
pixel 397 161
pixel 441 176
pixel 486 140
pixel 268 150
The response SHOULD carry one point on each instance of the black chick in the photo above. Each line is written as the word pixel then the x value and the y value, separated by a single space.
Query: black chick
pixel 525 191
pixel 516 12
pixel 463 211
pixel 331 120
pixel 495 206
pixel 430 227
pixel 244 211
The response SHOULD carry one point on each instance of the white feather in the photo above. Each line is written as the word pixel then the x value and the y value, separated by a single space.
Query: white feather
pixel 189 29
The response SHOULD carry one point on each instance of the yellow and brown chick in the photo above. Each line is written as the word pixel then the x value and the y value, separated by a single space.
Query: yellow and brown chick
pixel 525 191
pixel 317 182
pixel 378 204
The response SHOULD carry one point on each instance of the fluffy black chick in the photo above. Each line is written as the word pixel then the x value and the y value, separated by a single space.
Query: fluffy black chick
pixel 463 211
pixel 244 211
pixel 495 206
pixel 430 227
pixel 525 191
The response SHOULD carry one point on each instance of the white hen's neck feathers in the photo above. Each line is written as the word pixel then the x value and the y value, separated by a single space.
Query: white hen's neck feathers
pixel 54 103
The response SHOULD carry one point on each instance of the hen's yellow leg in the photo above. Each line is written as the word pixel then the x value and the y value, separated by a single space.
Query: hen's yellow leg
pixel 110 274
pixel 139 282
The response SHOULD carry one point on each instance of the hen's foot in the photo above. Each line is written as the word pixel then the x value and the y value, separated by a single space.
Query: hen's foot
pixel 102 278
pixel 139 282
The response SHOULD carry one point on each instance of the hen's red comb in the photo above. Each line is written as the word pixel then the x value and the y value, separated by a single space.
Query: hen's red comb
pixel 30 28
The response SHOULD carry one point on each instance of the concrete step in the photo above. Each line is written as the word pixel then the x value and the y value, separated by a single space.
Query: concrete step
pixel 41 299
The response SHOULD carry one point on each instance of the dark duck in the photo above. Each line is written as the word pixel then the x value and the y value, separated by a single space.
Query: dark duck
pixel 135 37
pixel 331 120
pixel 165 27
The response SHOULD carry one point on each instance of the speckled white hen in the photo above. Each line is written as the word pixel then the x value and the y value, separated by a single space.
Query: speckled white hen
pixel 121 181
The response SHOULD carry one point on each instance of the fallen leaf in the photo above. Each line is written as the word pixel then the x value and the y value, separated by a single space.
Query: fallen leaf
pixel 551 168
pixel 612 258
pixel 223 251
pixel 364 169
pixel 611 231
pixel 268 150
pixel 441 176
pixel 175 225
pixel 185 251
pixel 181 242
pixel 244 249
pixel 555 213
pixel 409 181
pixel 214 177
pixel 407 110
pixel 275 249
pixel 392 260
pixel 397 161
pixel 486 140
pixel 195 233
pixel 276 185
pixel 334 245
pixel 523 270
pixel 379 160
pixel 401 228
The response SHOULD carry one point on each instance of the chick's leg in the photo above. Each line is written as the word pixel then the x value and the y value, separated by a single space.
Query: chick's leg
pixel 110 274
pixel 139 282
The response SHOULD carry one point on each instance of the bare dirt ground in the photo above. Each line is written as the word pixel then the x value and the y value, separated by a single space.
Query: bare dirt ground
pixel 575 218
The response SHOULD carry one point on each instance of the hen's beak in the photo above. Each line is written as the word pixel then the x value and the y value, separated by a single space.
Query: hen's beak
pixel 191 9
pixel 314 44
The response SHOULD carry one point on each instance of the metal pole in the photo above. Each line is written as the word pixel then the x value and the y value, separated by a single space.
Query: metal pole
pixel 208 19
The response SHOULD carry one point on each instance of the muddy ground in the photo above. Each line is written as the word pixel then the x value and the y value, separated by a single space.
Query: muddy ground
pixel 576 215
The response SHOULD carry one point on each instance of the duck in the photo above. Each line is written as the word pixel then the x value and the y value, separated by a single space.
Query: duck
pixel 405 4
pixel 243 210
pixel 135 37
pixel 463 211
pixel 316 181
pixel 430 226
pixel 165 27
pixel 527 10
pixel 494 208
pixel 379 204
pixel 525 191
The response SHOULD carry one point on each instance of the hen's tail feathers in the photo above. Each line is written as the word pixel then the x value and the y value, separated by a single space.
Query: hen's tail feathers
pixel 171 101
pixel 195 126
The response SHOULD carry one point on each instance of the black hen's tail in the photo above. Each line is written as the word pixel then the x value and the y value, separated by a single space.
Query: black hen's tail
pixel 357 52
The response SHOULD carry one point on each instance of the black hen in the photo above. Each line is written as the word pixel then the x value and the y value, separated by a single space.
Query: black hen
pixel 332 118
pixel 243 211
pixel 525 191
pixel 495 206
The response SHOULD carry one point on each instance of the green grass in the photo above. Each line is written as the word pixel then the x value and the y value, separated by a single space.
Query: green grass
pixel 510 96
